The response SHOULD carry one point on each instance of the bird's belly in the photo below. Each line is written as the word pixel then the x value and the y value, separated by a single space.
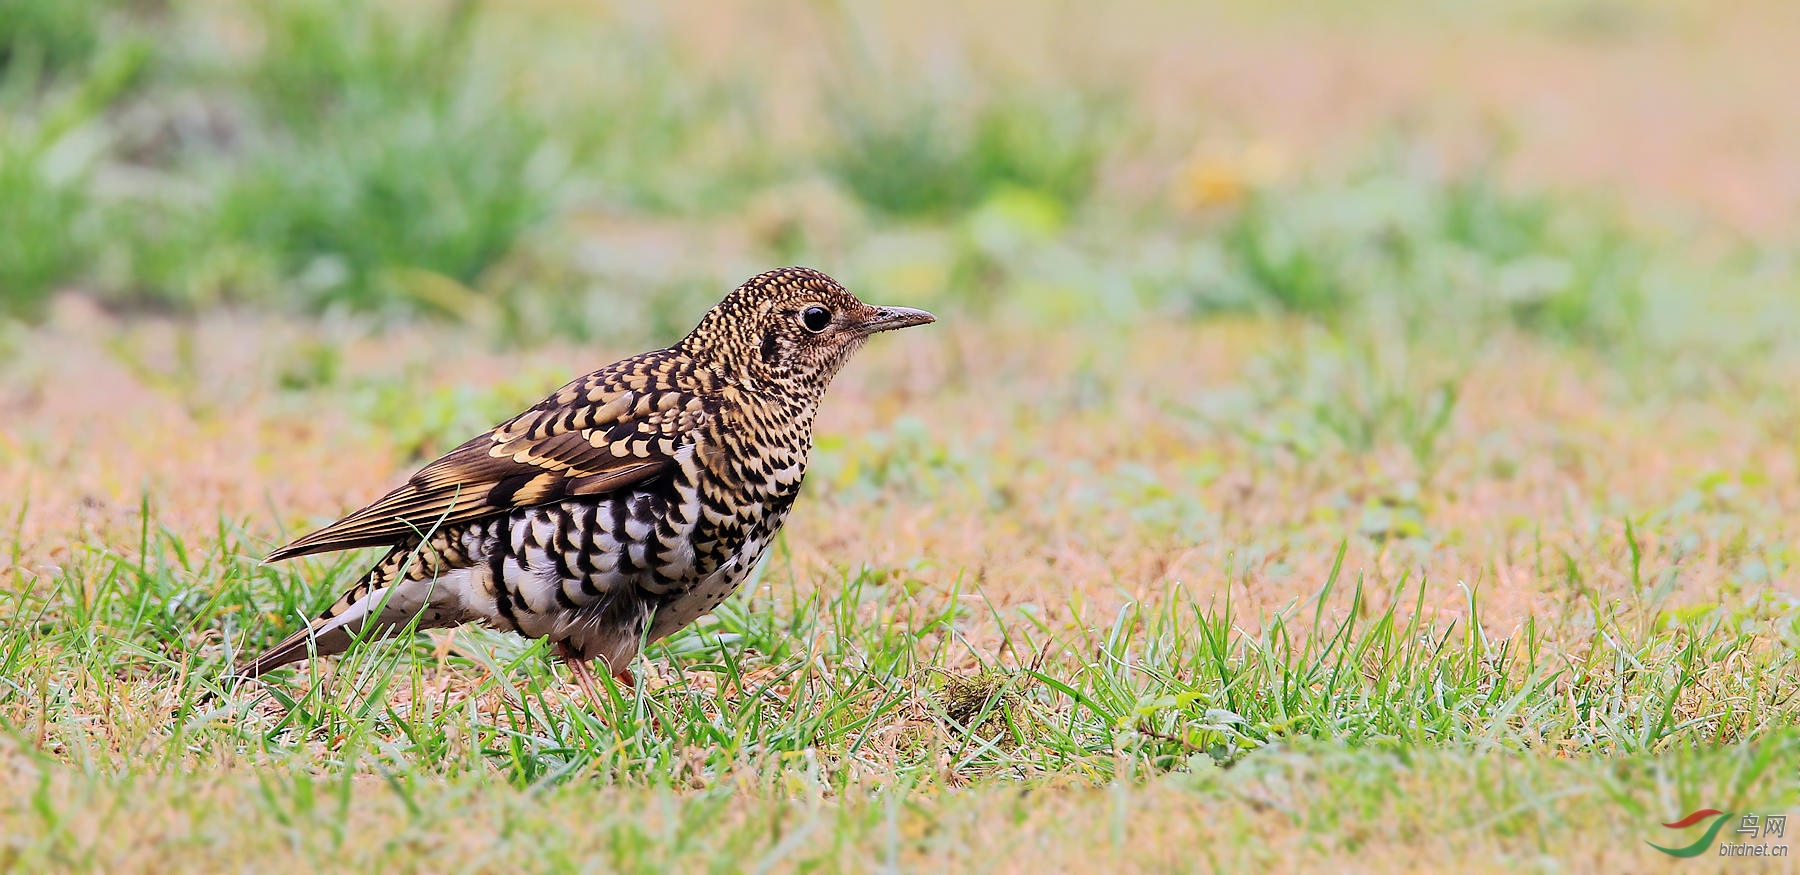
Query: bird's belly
pixel 599 575
pixel 677 611
pixel 548 566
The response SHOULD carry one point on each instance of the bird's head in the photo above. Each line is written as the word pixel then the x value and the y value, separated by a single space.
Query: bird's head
pixel 791 328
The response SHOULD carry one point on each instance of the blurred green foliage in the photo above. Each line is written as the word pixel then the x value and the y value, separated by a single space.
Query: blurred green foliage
pixel 395 157
pixel 324 61
pixel 1430 254
pixel 443 159
pixel 916 156
pixel 51 35
pixel 48 149
pixel 41 235
pixel 384 170
pixel 446 191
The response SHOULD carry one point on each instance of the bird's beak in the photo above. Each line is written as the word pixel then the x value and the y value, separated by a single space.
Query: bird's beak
pixel 890 318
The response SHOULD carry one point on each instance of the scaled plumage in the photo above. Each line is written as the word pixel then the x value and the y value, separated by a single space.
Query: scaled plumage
pixel 619 509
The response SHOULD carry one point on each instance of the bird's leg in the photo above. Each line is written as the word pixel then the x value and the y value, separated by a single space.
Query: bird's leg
pixel 584 675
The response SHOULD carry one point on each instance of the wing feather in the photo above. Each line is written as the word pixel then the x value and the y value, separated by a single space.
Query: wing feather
pixel 602 433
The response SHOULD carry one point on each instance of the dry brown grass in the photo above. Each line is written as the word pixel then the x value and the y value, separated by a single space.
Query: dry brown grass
pixel 1056 445
pixel 1166 826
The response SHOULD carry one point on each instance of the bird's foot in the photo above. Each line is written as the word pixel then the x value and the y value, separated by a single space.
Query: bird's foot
pixel 582 670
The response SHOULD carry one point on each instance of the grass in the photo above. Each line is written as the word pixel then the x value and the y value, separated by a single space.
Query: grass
pixel 1415 251
pixel 1070 633
pixel 48 157
pixel 1250 508
pixel 51 37
pixel 817 698
pixel 913 157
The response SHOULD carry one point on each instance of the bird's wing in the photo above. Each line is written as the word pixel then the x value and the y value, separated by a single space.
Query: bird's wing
pixel 601 433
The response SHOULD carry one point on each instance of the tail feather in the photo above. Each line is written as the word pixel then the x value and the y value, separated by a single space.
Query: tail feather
pixel 432 603
pixel 300 645
pixel 426 584
pixel 328 634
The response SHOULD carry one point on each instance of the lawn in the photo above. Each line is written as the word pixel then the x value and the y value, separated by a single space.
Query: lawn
pixel 1354 439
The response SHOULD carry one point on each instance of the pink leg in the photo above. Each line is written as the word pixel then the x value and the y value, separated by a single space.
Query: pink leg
pixel 584 676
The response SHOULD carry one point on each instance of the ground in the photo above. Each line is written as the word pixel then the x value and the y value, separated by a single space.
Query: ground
pixel 1370 446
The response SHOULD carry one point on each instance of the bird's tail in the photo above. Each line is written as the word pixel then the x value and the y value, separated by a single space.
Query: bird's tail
pixel 295 647
pixel 390 604
pixel 328 634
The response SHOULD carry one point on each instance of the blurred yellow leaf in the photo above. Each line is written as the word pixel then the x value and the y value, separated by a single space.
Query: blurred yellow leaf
pixel 1214 177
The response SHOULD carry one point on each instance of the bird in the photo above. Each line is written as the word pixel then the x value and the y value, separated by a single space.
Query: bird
pixel 618 510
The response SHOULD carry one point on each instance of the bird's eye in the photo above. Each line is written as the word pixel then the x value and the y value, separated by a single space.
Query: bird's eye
pixel 815 319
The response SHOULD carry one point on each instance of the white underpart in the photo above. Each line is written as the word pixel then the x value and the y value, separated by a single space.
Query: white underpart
pixel 542 529
pixel 442 600
pixel 701 600
pixel 637 527
pixel 539 585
